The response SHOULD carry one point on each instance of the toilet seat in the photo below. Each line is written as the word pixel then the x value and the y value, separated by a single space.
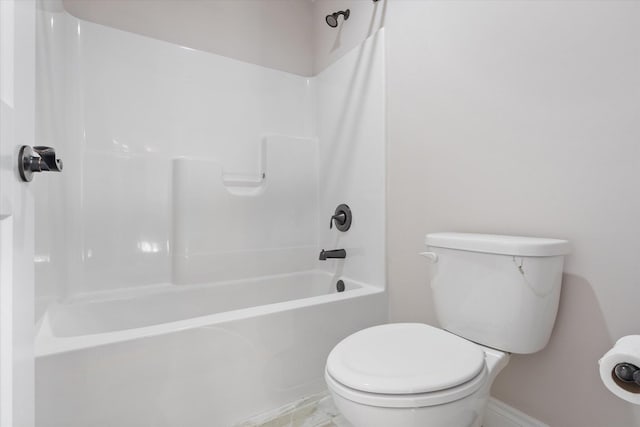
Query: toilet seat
pixel 407 400
pixel 405 365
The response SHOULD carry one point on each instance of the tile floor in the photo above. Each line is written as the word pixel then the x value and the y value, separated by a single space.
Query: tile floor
pixel 313 411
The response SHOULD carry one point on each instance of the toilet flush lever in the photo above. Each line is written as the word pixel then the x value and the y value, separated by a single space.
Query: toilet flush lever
pixel 432 256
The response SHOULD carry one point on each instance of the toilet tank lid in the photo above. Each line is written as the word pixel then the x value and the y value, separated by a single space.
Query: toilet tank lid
pixel 499 244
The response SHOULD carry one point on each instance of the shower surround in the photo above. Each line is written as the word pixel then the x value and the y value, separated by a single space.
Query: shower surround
pixel 177 271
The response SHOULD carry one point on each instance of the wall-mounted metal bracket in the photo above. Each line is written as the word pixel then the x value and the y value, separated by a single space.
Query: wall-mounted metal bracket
pixel 37 159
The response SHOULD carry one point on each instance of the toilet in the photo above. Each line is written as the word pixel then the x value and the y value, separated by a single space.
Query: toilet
pixel 494 295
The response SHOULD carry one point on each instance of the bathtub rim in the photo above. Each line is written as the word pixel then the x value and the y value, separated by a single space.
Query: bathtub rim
pixel 47 344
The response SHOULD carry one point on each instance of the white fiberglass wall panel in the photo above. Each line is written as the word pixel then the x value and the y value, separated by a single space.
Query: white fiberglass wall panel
pixel 232 226
pixel 135 104
pixel 351 129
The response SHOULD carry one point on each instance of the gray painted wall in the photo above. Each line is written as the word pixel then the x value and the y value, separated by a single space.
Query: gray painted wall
pixel 272 33
pixel 523 118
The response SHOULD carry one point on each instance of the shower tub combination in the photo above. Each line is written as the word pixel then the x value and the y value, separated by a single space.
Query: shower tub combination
pixel 200 355
pixel 179 282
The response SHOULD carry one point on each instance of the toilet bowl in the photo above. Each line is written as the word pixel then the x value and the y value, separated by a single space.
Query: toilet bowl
pixel 410 374
pixel 494 295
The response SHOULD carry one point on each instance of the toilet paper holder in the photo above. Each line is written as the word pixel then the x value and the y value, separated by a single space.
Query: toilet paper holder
pixel 620 369
pixel 627 376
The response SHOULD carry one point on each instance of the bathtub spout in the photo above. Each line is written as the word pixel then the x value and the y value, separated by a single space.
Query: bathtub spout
pixel 335 253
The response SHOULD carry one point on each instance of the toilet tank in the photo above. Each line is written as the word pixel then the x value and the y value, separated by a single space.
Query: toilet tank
pixel 498 291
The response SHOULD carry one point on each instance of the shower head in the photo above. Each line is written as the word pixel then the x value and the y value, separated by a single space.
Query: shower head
pixel 332 20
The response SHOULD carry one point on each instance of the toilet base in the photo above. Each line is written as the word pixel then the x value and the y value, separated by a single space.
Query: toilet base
pixel 466 412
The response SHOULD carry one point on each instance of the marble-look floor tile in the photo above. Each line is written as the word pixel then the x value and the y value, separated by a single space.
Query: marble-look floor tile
pixel 313 411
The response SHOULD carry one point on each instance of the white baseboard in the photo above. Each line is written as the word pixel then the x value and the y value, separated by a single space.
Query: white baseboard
pixel 499 414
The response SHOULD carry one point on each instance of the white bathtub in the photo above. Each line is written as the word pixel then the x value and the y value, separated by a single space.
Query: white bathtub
pixel 198 355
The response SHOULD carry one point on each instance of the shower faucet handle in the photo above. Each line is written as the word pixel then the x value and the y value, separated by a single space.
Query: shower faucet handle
pixel 342 217
pixel 339 219
pixel 37 159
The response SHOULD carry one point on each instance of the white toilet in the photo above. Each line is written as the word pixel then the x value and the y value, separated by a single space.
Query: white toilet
pixel 493 295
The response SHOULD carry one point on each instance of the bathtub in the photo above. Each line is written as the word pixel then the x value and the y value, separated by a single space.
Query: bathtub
pixel 194 355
